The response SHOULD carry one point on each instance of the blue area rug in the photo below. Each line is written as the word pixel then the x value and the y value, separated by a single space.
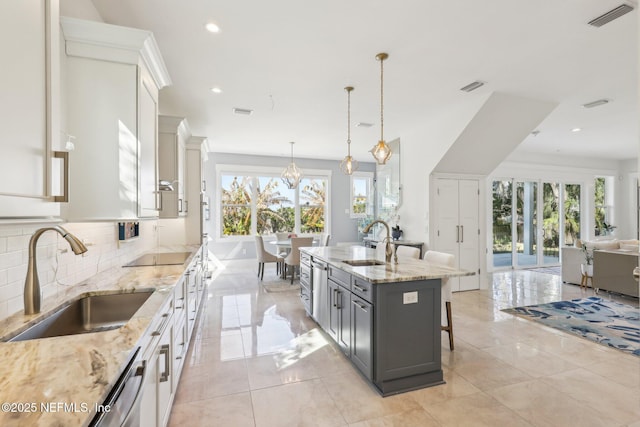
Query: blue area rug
pixel 606 322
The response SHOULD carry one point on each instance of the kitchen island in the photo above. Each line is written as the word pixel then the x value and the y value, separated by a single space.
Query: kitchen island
pixel 385 317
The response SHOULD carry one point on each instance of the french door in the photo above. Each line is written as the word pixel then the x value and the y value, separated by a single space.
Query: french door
pixel 531 220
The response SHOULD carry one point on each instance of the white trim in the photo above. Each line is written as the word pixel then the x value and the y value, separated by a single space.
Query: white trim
pixel 370 176
pixel 275 170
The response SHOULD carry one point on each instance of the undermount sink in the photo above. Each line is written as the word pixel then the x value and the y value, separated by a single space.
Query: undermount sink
pixel 92 313
pixel 362 262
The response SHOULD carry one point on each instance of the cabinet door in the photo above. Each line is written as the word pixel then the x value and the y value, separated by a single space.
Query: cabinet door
pixel 333 321
pixel 29 83
pixel 469 247
pixel 362 335
pixel 147 148
pixel 343 302
pixel 148 401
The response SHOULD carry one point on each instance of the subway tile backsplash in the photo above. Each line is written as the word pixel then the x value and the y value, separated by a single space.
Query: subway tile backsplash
pixel 58 266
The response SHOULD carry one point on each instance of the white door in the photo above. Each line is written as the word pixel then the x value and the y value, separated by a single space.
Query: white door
pixel 457 222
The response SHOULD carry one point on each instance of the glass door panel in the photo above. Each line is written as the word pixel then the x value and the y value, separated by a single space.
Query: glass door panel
pixel 526 223
pixel 502 212
pixel 550 223
pixel 571 214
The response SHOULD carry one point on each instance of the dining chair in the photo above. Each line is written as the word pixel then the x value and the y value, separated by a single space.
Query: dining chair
pixel 446 260
pixel 264 256
pixel 407 252
pixel 324 239
pixel 282 250
pixel 293 259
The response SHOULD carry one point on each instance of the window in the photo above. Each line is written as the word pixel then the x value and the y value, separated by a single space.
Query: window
pixel 603 207
pixel 236 205
pixel 256 201
pixel 361 194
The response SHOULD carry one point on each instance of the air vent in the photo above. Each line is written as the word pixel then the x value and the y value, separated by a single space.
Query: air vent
pixel 472 86
pixel 364 125
pixel 242 111
pixel 616 13
pixel 597 103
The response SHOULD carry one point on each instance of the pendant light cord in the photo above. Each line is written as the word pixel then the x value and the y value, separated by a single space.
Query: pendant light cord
pixel 349 123
pixel 381 99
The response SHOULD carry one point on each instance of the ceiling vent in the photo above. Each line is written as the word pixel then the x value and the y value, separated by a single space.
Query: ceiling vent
pixel 596 103
pixel 616 13
pixel 242 111
pixel 472 86
pixel 364 125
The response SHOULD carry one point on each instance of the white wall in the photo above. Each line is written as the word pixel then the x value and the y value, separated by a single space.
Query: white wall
pixel 58 267
pixel 80 9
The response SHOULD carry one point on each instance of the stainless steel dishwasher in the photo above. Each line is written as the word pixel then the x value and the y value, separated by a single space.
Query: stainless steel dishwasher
pixel 320 304
pixel 122 406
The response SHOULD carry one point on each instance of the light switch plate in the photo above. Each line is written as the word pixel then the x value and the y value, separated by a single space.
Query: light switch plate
pixel 410 297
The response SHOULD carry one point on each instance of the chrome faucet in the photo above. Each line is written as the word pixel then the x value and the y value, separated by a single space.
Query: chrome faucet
pixel 388 250
pixel 32 293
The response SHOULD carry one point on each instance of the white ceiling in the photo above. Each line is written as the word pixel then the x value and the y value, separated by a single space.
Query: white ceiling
pixel 289 61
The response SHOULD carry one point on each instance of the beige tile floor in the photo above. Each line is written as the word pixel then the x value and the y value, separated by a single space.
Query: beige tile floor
pixel 256 359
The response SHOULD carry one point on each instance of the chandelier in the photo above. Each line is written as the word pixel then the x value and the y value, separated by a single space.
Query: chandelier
pixel 348 164
pixel 381 151
pixel 292 174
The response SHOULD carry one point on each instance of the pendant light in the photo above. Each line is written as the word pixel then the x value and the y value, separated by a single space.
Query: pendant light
pixel 349 164
pixel 381 151
pixel 292 174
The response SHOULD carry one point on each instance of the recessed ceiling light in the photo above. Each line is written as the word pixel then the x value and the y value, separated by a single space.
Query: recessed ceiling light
pixel 212 28
pixel 216 90
pixel 364 125
pixel 576 130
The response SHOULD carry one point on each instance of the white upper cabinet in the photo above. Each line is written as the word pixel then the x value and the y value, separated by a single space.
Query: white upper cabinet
pixel 174 133
pixel 29 108
pixel 112 76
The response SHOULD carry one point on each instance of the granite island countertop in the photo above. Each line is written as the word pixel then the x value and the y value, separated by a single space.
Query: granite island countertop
pixel 78 370
pixel 406 270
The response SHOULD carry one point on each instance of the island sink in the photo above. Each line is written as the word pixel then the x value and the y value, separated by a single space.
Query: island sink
pixel 92 313
pixel 363 262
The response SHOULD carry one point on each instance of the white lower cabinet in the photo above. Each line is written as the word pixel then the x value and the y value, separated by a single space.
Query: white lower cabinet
pixel 167 347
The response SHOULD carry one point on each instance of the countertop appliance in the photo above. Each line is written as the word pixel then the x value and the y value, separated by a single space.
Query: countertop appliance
pixel 160 258
pixel 122 406
pixel 319 289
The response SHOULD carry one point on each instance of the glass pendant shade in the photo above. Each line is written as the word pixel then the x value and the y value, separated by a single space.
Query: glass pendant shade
pixel 292 174
pixel 381 152
pixel 348 164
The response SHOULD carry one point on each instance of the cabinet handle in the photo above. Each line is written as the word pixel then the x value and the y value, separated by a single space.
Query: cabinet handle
pixel 164 350
pixel 457 234
pixel 179 205
pixel 65 176
pixel 339 305
pixel 334 297
pixel 361 307
pixel 204 185
pixel 162 325
pixel 186 206
pixel 359 288
pixel 462 234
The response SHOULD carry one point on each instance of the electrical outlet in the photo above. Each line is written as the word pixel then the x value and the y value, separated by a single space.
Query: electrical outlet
pixel 410 297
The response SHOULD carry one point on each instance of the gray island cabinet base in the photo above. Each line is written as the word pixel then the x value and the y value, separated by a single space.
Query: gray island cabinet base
pixel 407 337
pixel 384 317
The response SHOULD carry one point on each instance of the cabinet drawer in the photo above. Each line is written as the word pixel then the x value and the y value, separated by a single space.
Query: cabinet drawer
pixel 305 274
pixel 306 297
pixel 305 259
pixel 362 288
pixel 339 276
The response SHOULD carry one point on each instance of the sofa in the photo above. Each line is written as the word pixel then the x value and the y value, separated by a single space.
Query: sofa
pixel 613 264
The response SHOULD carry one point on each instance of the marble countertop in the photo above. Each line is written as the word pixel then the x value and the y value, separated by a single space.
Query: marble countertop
pixel 404 271
pixel 77 370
